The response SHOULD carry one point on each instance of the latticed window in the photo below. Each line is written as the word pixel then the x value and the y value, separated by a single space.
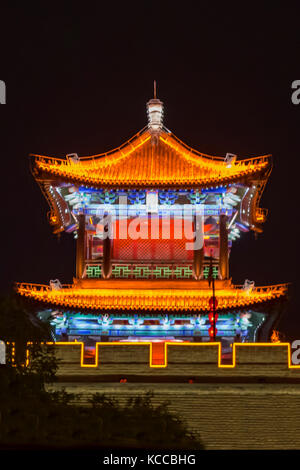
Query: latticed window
pixel 93 271
pixel 159 240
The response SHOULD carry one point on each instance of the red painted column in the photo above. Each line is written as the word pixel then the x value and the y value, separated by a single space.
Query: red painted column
pixel 80 246
pixel 223 244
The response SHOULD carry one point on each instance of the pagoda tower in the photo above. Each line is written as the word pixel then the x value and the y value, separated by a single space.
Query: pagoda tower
pixel 154 221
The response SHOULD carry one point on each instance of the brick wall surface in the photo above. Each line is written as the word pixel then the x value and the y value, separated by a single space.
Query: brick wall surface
pixel 230 409
pixel 235 416
pixel 261 354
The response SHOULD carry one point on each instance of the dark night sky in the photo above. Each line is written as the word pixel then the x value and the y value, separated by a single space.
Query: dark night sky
pixel 78 81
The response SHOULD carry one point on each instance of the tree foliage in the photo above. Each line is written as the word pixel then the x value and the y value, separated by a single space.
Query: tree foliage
pixel 20 325
pixel 32 416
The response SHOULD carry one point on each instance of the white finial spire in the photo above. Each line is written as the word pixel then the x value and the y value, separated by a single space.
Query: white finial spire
pixel 155 111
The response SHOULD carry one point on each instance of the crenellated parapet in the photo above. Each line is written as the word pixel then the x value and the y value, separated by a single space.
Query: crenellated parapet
pixel 174 359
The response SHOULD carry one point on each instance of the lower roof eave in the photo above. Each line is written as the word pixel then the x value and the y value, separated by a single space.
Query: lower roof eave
pixel 156 301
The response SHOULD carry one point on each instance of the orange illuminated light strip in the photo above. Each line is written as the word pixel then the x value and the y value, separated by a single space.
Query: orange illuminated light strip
pixel 168 343
pixel 218 165
pixel 102 343
pixel 13 352
pixel 78 170
pixel 272 345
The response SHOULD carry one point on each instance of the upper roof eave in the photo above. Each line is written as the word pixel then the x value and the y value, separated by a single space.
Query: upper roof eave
pixel 193 168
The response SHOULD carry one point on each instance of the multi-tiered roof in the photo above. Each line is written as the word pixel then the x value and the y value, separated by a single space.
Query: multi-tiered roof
pixel 153 159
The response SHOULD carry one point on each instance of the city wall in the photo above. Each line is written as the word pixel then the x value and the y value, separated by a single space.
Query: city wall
pixel 252 403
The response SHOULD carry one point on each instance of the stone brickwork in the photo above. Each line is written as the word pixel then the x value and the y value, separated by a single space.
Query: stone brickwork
pixel 253 403
pixel 225 416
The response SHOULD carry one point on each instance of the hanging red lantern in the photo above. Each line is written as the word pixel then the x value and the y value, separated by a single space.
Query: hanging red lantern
pixel 212 332
pixel 213 317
